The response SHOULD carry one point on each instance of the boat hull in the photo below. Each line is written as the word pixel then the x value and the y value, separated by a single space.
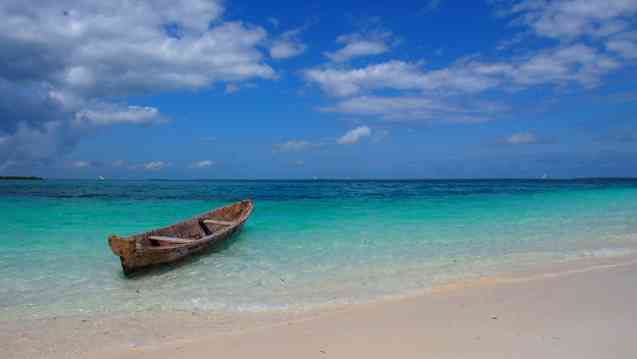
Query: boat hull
pixel 142 251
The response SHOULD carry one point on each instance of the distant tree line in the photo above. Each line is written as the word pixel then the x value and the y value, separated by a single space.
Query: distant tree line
pixel 21 178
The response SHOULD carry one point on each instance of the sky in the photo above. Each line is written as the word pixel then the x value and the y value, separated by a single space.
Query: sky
pixel 319 89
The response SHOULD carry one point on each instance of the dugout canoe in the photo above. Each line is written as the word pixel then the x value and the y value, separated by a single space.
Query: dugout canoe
pixel 180 240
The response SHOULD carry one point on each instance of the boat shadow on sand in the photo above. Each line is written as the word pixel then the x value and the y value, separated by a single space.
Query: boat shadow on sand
pixel 161 269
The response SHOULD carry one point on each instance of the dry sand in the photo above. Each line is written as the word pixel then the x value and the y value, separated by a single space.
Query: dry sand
pixel 580 310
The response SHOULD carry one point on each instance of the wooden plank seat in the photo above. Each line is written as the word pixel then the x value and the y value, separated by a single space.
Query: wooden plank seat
pixel 172 239
pixel 218 222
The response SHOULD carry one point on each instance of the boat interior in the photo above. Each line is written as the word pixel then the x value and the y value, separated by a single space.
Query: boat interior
pixel 199 228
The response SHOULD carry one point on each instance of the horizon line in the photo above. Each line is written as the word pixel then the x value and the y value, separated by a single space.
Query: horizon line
pixel 351 179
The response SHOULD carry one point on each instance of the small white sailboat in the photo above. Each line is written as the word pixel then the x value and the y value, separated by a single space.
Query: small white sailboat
pixel 544 176
pixel 101 178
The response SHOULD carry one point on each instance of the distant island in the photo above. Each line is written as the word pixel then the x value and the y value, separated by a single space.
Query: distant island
pixel 31 178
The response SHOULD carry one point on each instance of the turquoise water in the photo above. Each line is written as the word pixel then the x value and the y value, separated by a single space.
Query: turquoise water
pixel 308 243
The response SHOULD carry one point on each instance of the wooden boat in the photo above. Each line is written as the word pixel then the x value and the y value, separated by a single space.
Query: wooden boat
pixel 172 243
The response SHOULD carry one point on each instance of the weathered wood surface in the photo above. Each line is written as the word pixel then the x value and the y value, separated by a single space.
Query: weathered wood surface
pixel 171 239
pixel 214 221
pixel 175 242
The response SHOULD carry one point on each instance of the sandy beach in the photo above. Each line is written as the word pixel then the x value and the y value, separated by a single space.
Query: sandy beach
pixel 578 313
pixel 583 309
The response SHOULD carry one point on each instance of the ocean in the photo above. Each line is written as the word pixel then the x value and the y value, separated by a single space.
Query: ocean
pixel 308 243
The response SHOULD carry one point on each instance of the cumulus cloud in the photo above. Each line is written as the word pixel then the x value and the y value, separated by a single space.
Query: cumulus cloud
pixel 110 115
pixel 35 143
pixel 154 165
pixel 426 94
pixel 122 47
pixel 85 164
pixel 143 166
pixel 572 20
pixel 62 61
pixel 288 45
pixel 81 164
pixel 354 135
pixel 524 138
pixel 594 41
pixel 401 108
pixel 569 19
pixel 624 47
pixel 347 82
pixel 577 63
pixel 293 146
pixel 357 45
pixel 202 164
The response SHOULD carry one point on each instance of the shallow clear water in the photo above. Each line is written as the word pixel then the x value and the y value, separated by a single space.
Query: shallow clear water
pixel 307 243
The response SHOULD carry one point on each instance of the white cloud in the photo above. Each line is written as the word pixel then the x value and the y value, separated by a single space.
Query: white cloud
pixel 288 45
pixel 569 19
pixel 82 164
pixel 145 166
pixel 63 61
pixel 116 48
pixel 522 138
pixel 293 146
pixel 357 45
pixel 354 135
pixel 110 115
pixel 626 48
pixel 154 165
pixel 401 90
pixel 286 49
pixel 577 63
pixel 202 164
pixel 347 82
pixel 401 108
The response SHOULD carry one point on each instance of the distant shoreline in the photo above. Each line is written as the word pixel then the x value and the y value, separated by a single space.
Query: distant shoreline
pixel 21 178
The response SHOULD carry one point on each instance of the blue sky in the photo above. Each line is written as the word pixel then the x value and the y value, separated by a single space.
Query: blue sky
pixel 345 89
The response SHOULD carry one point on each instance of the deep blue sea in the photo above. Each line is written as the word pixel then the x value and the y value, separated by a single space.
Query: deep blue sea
pixel 307 244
